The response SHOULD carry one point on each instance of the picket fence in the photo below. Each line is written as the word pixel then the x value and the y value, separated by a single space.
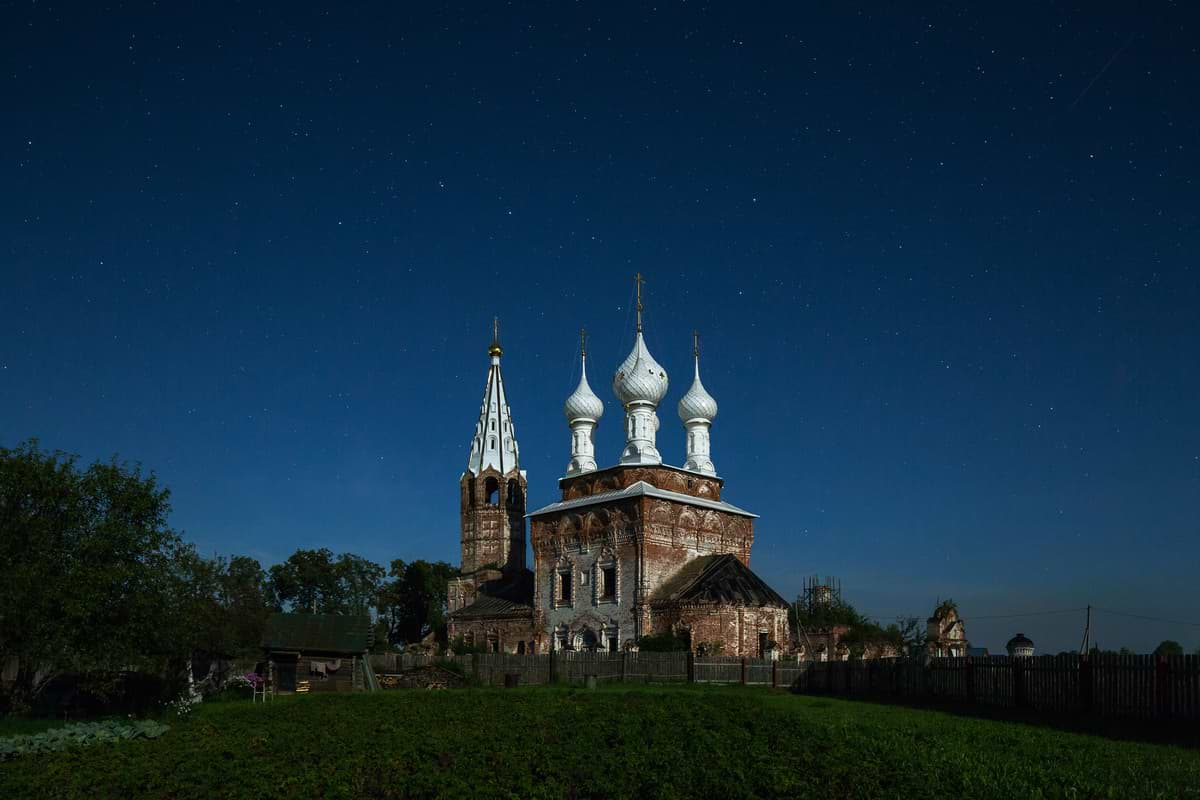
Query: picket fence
pixel 1138 686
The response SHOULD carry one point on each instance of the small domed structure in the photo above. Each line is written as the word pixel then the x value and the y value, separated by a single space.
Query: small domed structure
pixel 583 404
pixel 1020 646
pixel 640 379
pixel 583 410
pixel 697 409
pixel 640 383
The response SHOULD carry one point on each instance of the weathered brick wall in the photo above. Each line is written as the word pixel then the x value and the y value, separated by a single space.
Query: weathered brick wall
pixel 581 546
pixel 492 533
pixel 648 538
pixel 663 477
pixel 506 633
pixel 735 628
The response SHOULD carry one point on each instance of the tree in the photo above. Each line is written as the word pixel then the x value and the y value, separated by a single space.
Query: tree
pixel 224 602
pixel 88 568
pixel 307 581
pixel 360 582
pixel 1168 647
pixel 347 584
pixel 413 602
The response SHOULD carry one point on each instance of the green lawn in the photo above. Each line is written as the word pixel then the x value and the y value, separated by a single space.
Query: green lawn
pixel 614 742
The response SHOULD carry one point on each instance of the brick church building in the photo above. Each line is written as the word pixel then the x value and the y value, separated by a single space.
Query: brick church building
pixel 631 550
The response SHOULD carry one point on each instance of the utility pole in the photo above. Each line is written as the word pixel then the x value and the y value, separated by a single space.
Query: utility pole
pixel 1087 632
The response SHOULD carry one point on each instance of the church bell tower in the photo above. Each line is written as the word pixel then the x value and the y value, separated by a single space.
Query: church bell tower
pixel 493 487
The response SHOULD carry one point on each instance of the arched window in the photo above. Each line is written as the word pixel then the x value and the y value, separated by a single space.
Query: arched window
pixel 491 489
pixel 514 494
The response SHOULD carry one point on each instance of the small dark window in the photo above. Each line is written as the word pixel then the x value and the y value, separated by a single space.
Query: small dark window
pixel 612 644
pixel 608 586
pixel 762 645
pixel 564 587
pixel 520 648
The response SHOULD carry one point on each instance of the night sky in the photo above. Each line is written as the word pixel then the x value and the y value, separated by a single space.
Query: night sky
pixel 943 265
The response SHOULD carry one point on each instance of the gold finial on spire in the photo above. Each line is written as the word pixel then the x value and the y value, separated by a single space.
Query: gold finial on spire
pixel 639 280
pixel 583 342
pixel 494 348
pixel 696 344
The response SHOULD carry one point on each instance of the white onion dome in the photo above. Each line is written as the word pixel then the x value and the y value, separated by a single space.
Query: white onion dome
pixel 697 403
pixel 640 379
pixel 583 402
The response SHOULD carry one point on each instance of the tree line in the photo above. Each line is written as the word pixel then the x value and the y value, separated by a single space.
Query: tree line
pixel 94 582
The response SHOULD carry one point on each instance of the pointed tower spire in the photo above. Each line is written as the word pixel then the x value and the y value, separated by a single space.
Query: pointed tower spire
pixel 583 410
pixel 640 384
pixel 697 409
pixel 495 442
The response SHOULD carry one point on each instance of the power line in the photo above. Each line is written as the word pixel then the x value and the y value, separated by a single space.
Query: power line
pixel 1032 613
pixel 1151 619
pixel 1079 610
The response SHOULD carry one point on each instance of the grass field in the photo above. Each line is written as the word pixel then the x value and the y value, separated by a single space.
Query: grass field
pixel 613 742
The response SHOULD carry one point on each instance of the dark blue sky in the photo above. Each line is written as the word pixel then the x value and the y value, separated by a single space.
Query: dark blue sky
pixel 943 264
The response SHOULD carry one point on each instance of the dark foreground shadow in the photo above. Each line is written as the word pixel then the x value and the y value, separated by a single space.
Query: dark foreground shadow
pixel 1184 733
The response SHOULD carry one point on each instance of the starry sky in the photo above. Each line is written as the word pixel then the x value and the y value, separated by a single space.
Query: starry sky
pixel 943 263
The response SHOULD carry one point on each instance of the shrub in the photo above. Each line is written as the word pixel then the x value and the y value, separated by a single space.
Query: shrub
pixel 661 643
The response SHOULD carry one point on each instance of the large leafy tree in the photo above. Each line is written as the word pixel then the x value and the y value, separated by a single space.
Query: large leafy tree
pixel 88 567
pixel 224 602
pixel 1169 647
pixel 316 579
pixel 413 602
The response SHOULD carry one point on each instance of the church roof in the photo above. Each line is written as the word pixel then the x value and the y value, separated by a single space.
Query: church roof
pixel 640 489
pixel 508 596
pixel 495 442
pixel 487 606
pixel 717 579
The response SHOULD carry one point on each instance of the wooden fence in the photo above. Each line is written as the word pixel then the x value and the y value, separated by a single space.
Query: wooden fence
pixel 1144 686
pixel 1149 687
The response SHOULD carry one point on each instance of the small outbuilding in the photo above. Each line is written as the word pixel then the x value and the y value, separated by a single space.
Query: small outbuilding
pixel 1020 645
pixel 319 652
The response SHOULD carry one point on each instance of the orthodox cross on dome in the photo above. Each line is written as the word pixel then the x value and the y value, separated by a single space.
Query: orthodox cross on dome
pixel 494 349
pixel 696 344
pixel 638 281
pixel 583 342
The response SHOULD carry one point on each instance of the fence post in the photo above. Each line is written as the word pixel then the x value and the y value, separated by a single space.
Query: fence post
pixel 743 670
pixel 553 661
pixel 623 657
pixel 1020 696
pixel 691 667
pixel 775 674
pixel 970 679
pixel 1162 694
pixel 1086 699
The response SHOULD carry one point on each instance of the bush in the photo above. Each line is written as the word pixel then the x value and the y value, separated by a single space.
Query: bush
pixel 661 643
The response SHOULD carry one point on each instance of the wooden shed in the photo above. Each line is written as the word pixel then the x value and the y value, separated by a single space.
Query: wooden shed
pixel 319 652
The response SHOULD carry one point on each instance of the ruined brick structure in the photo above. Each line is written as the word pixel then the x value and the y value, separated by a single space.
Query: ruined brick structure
pixel 946 633
pixel 635 549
